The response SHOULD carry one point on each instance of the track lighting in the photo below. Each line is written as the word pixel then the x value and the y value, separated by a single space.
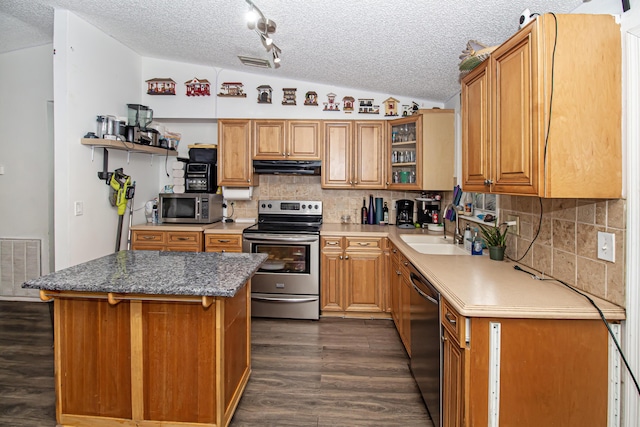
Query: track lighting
pixel 264 27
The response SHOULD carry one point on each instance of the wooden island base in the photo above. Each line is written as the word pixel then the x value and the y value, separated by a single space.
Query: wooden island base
pixel 149 360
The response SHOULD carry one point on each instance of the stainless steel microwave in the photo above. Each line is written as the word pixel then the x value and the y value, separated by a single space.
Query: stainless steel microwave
pixel 190 208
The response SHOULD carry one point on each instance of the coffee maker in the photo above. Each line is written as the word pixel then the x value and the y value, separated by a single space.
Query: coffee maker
pixel 425 211
pixel 404 213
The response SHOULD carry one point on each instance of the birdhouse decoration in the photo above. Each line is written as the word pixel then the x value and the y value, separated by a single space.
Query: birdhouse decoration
pixel 406 110
pixel 367 106
pixel 198 87
pixel 347 103
pixel 289 96
pixel 264 94
pixel 331 104
pixel 233 89
pixel 391 106
pixel 161 86
pixel 311 98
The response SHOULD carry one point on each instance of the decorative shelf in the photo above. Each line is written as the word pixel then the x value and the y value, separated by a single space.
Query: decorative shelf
pixel 127 146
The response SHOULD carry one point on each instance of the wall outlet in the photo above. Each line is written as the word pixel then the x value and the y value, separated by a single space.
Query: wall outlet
pixel 78 208
pixel 606 246
pixel 513 229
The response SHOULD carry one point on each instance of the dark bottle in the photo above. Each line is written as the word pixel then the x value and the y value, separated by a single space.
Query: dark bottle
pixel 364 218
pixel 385 214
pixel 372 211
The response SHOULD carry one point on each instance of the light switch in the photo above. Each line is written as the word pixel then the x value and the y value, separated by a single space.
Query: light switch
pixel 1 169
pixel 606 246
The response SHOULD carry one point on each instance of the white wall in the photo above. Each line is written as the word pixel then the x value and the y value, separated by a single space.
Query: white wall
pixel 26 147
pixel 93 75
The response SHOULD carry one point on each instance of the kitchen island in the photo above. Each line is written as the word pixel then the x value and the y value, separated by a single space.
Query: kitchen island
pixel 150 338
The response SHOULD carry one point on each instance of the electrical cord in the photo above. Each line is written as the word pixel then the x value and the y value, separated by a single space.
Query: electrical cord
pixel 604 320
pixel 534 237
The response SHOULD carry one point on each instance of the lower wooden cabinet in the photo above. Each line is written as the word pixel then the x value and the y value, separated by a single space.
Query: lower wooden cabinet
pixel 223 243
pixel 162 240
pixel 453 374
pixel 400 295
pixel 353 277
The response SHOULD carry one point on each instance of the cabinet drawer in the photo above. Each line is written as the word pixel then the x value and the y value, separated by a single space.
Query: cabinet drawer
pixel 187 238
pixel 146 237
pixel 453 322
pixel 227 242
pixel 329 243
pixel 364 243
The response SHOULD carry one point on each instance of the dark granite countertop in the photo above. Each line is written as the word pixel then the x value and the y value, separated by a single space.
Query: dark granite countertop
pixel 156 273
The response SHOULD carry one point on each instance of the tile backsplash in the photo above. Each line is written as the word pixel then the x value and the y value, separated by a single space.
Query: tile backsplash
pixel 335 202
pixel 566 245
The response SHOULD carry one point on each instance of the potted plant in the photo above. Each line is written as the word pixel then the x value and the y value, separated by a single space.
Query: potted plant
pixel 495 238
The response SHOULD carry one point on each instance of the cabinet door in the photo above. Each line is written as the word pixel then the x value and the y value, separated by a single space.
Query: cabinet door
pixel 395 277
pixel 514 107
pixel 452 382
pixel 436 166
pixel 269 139
pixel 234 154
pixel 331 294
pixel 303 140
pixel 337 155
pixel 405 311
pixel 476 130
pixel 405 153
pixel 362 281
pixel 369 156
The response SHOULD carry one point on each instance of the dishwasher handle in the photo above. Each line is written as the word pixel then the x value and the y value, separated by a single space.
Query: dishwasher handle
pixel 434 298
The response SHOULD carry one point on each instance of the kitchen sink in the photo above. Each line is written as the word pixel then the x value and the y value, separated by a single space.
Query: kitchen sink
pixel 433 245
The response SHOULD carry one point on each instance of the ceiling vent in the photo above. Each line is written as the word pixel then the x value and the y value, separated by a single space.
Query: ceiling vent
pixel 255 62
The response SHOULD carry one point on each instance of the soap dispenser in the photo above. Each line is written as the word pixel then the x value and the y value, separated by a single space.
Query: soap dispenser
pixel 467 239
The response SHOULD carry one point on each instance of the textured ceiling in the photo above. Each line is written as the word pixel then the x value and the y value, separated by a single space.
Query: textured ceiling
pixel 400 47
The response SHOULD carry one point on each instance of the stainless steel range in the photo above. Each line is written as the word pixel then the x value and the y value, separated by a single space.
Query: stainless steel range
pixel 287 285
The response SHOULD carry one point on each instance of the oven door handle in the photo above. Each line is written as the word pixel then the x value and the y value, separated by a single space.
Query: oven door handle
pixel 281 238
pixel 273 299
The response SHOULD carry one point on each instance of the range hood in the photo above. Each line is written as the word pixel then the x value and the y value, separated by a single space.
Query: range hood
pixel 287 167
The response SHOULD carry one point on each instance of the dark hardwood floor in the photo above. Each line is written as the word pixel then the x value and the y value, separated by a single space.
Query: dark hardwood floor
pixel 332 372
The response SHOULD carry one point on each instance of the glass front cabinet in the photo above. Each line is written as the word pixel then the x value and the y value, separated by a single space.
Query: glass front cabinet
pixel 421 151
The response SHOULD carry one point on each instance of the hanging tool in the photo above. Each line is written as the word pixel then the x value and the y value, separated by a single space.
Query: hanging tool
pixel 122 190
pixel 130 220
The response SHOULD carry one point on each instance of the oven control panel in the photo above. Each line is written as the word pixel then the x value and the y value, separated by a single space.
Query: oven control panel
pixel 292 207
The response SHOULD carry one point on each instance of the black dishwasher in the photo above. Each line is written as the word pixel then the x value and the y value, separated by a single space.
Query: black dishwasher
pixel 426 347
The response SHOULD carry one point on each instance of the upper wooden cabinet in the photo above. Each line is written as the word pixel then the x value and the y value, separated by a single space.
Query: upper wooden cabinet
pixel 234 154
pixel 542 117
pixel 354 154
pixel 421 151
pixel 286 140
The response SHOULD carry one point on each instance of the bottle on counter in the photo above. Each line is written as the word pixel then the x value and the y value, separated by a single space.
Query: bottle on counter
pixel 385 214
pixel 372 211
pixel 364 218
pixel 476 248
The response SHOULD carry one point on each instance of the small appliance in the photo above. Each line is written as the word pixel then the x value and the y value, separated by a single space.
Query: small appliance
pixel 190 208
pixel 200 178
pixel 404 213
pixel 425 210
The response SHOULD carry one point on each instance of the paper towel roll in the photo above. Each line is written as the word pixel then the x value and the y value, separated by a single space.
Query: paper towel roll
pixel 178 173
pixel 230 193
pixel 178 181
pixel 178 189
pixel 177 165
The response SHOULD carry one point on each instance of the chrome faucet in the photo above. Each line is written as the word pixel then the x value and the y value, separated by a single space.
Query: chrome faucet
pixel 458 239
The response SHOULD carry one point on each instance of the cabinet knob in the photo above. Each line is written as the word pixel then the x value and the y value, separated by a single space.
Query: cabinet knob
pixel 398 272
pixel 488 182
pixel 288 154
pixel 346 257
pixel 444 339
pixel 405 263
pixel 284 154
pixel 340 257
pixel 248 180
pixel 394 251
